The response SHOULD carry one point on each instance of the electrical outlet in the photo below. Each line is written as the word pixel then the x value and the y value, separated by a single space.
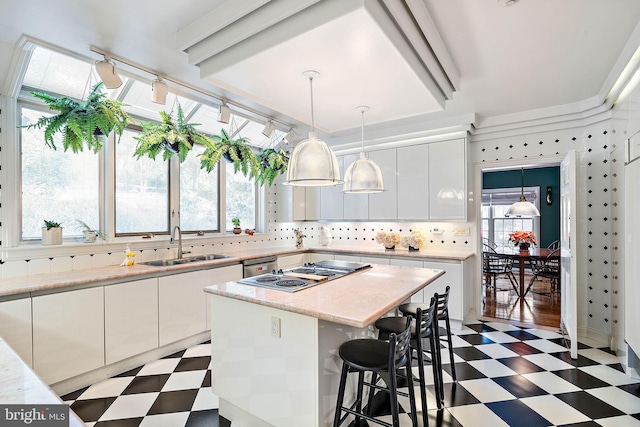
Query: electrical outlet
pixel 461 231
pixel 437 230
pixel 275 327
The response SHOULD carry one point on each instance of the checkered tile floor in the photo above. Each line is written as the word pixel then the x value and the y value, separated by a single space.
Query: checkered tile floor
pixel 507 376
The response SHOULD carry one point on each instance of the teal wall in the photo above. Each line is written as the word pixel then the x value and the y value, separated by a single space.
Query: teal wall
pixel 538 177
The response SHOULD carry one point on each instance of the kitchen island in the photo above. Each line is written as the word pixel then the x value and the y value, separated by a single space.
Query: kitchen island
pixel 274 353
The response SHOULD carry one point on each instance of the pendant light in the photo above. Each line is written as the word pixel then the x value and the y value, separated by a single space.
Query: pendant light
pixel 363 175
pixel 522 208
pixel 312 162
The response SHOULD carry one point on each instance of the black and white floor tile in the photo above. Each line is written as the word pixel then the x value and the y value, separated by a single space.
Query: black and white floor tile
pixel 507 376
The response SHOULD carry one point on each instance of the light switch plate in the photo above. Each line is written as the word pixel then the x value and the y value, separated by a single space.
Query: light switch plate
pixel 275 327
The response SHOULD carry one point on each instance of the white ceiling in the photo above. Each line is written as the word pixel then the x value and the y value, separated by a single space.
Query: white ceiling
pixel 535 55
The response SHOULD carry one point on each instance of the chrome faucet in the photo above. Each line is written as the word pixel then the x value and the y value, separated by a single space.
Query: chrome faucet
pixel 173 233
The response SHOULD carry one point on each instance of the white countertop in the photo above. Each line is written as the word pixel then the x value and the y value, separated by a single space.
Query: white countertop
pixel 358 299
pixel 20 385
pixel 75 278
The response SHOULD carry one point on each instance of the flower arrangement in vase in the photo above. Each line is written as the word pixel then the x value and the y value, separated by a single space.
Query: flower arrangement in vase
pixel 413 241
pixel 299 236
pixel 523 239
pixel 389 240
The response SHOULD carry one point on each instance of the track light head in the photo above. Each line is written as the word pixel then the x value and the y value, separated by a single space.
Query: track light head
pixel 224 113
pixel 269 128
pixel 159 90
pixel 108 73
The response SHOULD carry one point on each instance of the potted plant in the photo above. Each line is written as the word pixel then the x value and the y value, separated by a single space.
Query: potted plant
pixel 271 164
pixel 235 151
pixel 169 137
pixel 413 241
pixel 79 122
pixel 89 234
pixel 51 233
pixel 236 225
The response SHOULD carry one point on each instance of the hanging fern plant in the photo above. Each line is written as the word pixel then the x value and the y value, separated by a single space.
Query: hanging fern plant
pixel 81 123
pixel 169 137
pixel 236 151
pixel 272 163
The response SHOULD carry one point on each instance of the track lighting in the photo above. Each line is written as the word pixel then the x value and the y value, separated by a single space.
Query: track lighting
pixel 269 128
pixel 159 90
pixel 108 73
pixel 224 113
pixel 288 138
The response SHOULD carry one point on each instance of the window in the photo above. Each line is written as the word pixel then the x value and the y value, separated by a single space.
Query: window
pixel 241 199
pixel 56 185
pixel 141 190
pixel 495 204
pixel 198 195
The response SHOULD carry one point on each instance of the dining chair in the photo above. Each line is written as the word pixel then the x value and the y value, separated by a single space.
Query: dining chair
pixel 554 245
pixel 494 265
pixel 546 268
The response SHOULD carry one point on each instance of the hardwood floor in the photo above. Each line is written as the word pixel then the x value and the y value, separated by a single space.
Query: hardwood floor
pixel 540 307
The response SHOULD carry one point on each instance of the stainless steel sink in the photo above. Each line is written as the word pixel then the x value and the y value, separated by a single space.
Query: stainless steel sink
pixel 189 260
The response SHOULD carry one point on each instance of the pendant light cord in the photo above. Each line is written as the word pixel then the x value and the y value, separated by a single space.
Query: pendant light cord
pixel 313 124
pixel 522 199
pixel 362 130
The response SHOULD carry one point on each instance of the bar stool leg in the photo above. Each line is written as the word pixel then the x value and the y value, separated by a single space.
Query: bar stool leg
pixel 359 396
pixel 343 383
pixel 423 381
pixel 450 343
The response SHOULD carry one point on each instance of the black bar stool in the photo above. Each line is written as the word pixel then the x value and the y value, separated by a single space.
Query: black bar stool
pixel 442 313
pixel 382 358
pixel 426 328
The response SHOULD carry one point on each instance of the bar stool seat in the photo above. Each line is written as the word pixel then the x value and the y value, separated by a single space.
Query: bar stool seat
pixel 382 358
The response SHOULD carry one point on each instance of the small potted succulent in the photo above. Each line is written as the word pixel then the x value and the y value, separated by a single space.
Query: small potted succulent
pixel 51 233
pixel 236 225
pixel 89 234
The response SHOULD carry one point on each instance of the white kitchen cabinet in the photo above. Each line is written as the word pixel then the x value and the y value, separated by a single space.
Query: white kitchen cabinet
pixel 68 333
pixel 452 277
pixel 291 261
pixel 312 203
pixel 125 305
pixel 418 296
pixel 349 258
pixel 385 205
pixel 356 206
pixel 413 182
pixel 221 275
pixel 447 180
pixel 290 200
pixel 182 305
pixel 315 257
pixel 15 327
pixel 374 260
pixel 332 198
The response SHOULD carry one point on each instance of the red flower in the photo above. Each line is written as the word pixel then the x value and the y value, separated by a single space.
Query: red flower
pixel 518 237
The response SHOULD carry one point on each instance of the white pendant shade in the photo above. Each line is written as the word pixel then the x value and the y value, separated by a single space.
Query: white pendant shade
pixel 363 176
pixel 108 74
pixel 522 208
pixel 313 164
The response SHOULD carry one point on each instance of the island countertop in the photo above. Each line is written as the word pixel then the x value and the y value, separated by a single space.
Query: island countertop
pixel 357 299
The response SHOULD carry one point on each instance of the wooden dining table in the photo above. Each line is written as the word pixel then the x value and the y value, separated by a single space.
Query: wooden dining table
pixel 522 257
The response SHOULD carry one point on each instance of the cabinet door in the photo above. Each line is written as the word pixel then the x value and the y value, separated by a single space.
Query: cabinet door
pixel 231 273
pixel 451 277
pixel 374 260
pixel 356 206
pixel 447 180
pixel 332 199
pixel 68 333
pixel 290 200
pixel 127 304
pixel 15 327
pixel 315 257
pixel 312 203
pixel 418 296
pixel 384 205
pixel 289 261
pixel 413 182
pixel 182 305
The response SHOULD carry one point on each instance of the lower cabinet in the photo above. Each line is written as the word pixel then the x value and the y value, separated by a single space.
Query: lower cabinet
pixel 182 305
pixel 221 275
pixel 130 319
pixel 15 327
pixel 453 278
pixel 68 333
pixel 290 261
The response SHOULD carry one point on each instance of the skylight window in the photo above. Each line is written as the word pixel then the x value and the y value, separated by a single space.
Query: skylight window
pixel 139 104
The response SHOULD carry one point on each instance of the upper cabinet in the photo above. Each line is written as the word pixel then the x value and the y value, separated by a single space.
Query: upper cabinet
pixel 290 201
pixel 421 182
pixel 384 205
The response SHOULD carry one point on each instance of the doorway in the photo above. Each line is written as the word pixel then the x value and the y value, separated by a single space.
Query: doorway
pixel 498 294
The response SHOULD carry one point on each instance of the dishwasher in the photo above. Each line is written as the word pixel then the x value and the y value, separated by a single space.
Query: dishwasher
pixel 258 266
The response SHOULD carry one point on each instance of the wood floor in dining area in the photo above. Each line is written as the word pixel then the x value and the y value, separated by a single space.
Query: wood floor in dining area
pixel 540 307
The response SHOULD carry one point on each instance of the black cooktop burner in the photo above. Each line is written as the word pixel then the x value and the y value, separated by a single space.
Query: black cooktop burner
pixel 326 273
pixel 290 283
pixel 304 270
pixel 266 278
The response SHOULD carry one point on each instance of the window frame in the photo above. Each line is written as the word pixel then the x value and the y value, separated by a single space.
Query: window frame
pixel 491 219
